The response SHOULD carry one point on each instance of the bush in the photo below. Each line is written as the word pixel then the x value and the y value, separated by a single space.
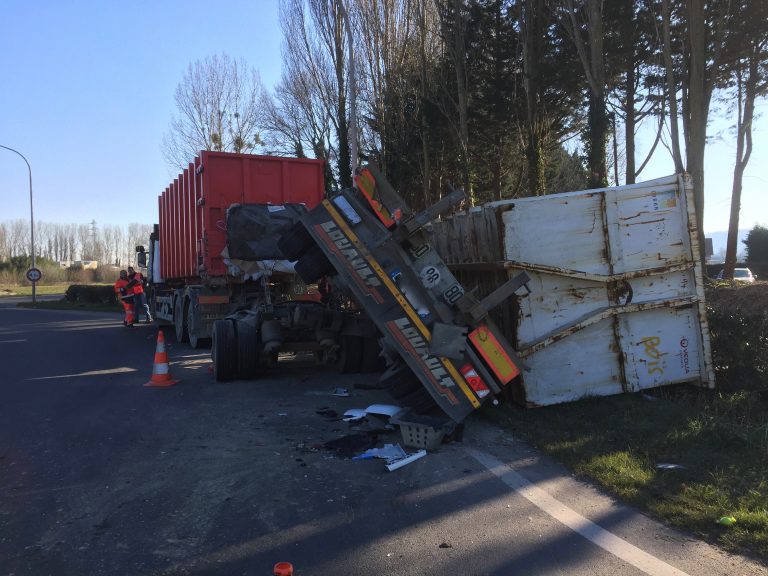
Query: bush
pixel 80 293
pixel 739 349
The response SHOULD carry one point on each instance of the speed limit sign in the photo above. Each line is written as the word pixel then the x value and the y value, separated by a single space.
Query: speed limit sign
pixel 34 274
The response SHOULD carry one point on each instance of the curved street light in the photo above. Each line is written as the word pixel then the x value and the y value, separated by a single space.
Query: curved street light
pixel 31 217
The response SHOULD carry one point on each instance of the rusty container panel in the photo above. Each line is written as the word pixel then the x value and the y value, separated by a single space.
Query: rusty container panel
pixel 194 213
pixel 617 299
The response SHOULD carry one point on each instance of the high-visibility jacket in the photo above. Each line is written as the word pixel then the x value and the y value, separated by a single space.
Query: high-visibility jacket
pixel 123 284
pixel 138 279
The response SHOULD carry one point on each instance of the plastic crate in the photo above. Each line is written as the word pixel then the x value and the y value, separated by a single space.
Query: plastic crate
pixel 422 433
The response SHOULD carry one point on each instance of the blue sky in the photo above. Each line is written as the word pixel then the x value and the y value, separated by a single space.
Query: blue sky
pixel 87 95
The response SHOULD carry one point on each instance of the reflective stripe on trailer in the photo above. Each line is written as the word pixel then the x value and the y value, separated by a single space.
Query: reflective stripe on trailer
pixel 494 354
pixel 412 315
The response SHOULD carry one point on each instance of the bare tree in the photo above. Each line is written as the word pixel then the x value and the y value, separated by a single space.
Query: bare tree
pixel 702 27
pixel 593 60
pixel 750 76
pixel 219 108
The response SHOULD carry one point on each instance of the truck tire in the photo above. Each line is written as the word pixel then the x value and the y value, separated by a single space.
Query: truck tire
pixel 195 341
pixel 350 354
pixel 313 265
pixel 419 401
pixel 295 242
pixel 399 380
pixel 180 320
pixel 224 350
pixel 372 360
pixel 248 350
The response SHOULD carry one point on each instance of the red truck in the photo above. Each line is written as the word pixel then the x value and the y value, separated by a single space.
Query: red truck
pixel 213 255
pixel 241 237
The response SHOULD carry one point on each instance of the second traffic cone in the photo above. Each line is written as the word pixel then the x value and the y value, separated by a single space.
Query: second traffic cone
pixel 161 373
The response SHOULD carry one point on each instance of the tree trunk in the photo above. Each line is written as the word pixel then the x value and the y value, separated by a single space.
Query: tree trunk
pixel 342 134
pixel 629 102
pixel 743 152
pixel 459 51
pixel 671 88
pixel 533 10
pixel 426 167
pixel 597 136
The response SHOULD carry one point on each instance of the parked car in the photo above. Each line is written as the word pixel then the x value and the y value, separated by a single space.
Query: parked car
pixel 740 275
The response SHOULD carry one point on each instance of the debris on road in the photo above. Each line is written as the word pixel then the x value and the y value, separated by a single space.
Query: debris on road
pixel 386 410
pixel 726 520
pixel 669 466
pixel 390 452
pixel 405 461
pixel 351 444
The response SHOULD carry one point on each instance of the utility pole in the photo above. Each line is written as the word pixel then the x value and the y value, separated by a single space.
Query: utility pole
pixel 33 272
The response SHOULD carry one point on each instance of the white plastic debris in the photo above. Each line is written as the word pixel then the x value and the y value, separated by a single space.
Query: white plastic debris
pixel 390 453
pixel 383 409
pixel 354 414
pixel 405 461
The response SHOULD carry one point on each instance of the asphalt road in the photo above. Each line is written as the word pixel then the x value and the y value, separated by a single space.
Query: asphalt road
pixel 101 476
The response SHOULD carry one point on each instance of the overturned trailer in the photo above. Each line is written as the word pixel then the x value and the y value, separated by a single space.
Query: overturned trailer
pixel 617 295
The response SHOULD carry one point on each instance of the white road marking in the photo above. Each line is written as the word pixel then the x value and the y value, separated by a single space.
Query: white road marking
pixel 11 341
pixel 575 521
pixel 92 373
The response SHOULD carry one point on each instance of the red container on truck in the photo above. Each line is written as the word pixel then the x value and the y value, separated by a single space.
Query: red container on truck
pixel 194 277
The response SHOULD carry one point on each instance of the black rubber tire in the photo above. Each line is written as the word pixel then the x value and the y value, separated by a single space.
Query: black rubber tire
pixel 314 265
pixel 195 341
pixel 224 350
pixel 399 381
pixel 419 401
pixel 350 355
pixel 372 360
pixel 295 242
pixel 180 321
pixel 248 351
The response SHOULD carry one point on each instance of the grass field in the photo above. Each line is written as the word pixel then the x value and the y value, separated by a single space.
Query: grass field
pixel 717 446
pixel 8 290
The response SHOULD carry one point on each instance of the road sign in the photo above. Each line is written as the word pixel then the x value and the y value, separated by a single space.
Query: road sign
pixel 34 274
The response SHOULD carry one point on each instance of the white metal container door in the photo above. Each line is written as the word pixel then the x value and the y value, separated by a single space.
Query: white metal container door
pixel 616 299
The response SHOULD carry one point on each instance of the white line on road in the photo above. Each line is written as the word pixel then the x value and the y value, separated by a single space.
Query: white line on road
pixel 11 341
pixel 575 521
pixel 92 373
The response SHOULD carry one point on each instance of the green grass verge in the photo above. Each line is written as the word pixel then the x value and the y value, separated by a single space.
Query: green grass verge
pixel 720 440
pixel 9 290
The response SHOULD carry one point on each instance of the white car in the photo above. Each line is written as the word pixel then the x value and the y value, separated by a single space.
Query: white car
pixel 740 275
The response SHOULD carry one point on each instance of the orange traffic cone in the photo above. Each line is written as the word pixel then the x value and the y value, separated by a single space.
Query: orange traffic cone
pixel 161 374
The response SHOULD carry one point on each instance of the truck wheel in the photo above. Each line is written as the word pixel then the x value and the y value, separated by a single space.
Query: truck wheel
pixel 295 242
pixel 180 321
pixel 192 329
pixel 314 265
pixel 420 402
pixel 350 355
pixel 224 350
pixel 399 380
pixel 371 360
pixel 248 350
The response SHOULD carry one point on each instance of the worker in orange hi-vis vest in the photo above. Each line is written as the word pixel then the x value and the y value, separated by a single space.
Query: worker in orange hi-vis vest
pixel 136 280
pixel 124 291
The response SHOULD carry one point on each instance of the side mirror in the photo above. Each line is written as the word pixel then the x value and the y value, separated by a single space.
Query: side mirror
pixel 141 259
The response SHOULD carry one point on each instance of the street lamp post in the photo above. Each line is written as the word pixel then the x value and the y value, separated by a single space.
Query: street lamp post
pixel 31 218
